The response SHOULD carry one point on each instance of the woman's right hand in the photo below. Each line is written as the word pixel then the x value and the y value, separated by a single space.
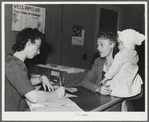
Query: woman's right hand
pixel 45 82
pixel 60 92
pixel 104 90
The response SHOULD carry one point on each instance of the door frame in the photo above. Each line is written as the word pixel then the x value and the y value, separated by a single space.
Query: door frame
pixel 119 21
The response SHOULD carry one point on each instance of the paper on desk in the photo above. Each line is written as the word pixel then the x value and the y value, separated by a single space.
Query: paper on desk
pixel 70 95
pixel 71 89
pixel 37 87
pixel 61 104
pixel 68 108
pixel 57 102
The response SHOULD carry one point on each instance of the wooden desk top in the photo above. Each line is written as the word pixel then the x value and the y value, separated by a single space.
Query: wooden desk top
pixel 91 101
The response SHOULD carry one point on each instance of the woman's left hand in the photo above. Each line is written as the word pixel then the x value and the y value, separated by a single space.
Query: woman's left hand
pixel 105 90
pixel 46 82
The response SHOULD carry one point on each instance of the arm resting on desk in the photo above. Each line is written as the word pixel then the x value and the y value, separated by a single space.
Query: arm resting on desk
pixel 35 80
pixel 39 96
pixel 36 96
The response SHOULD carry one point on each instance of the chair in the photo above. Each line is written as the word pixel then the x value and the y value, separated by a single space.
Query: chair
pixel 130 100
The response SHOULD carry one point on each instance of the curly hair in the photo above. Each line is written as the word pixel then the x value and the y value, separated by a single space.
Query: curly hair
pixel 23 37
pixel 112 37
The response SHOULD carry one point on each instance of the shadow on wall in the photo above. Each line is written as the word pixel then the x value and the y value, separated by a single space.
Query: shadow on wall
pixel 139 104
pixel 141 52
pixel 45 50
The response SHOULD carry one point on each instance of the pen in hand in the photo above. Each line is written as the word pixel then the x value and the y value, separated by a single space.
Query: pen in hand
pixel 60 81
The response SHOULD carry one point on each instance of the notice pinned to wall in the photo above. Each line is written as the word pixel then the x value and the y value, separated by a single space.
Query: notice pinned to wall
pixel 78 35
pixel 27 16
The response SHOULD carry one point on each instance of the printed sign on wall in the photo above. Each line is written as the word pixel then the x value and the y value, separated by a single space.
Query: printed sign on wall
pixel 27 16
pixel 78 35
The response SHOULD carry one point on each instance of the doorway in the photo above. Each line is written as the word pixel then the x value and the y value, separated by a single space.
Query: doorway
pixel 107 18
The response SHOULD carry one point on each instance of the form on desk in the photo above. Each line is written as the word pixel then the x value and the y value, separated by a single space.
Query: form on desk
pixel 58 104
pixel 85 100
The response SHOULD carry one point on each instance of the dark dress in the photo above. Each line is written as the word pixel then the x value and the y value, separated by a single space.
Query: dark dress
pixel 17 84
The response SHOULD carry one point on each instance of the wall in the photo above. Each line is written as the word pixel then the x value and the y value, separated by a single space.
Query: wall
pixel 83 15
pixel 59 21
pixel 9 35
pixel 52 30
pixel 133 17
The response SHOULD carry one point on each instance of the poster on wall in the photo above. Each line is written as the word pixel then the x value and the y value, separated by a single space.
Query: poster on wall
pixel 27 16
pixel 77 35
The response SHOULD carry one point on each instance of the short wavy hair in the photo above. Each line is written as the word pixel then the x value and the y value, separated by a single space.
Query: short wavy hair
pixel 111 36
pixel 23 37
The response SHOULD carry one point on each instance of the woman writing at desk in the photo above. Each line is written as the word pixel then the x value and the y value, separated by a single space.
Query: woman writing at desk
pixel 18 86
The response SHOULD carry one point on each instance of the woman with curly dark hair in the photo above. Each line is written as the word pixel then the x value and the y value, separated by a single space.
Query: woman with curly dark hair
pixel 18 86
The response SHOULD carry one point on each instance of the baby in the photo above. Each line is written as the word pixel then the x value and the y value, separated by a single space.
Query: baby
pixel 122 75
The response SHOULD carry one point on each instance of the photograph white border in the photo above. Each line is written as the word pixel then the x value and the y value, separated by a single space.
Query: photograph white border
pixel 60 116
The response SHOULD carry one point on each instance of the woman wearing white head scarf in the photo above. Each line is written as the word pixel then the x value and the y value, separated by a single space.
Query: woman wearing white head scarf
pixel 122 75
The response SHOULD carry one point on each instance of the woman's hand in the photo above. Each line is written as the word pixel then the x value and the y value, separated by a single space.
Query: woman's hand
pixel 60 92
pixel 104 90
pixel 104 81
pixel 45 82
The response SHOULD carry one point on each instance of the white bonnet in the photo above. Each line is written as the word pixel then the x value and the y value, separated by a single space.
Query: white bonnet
pixel 130 38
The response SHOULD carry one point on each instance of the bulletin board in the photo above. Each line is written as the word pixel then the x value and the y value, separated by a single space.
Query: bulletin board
pixel 27 16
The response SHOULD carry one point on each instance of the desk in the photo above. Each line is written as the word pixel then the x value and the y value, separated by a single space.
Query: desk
pixel 91 101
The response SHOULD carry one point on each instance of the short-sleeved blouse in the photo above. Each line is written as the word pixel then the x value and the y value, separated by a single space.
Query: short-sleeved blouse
pixel 17 83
